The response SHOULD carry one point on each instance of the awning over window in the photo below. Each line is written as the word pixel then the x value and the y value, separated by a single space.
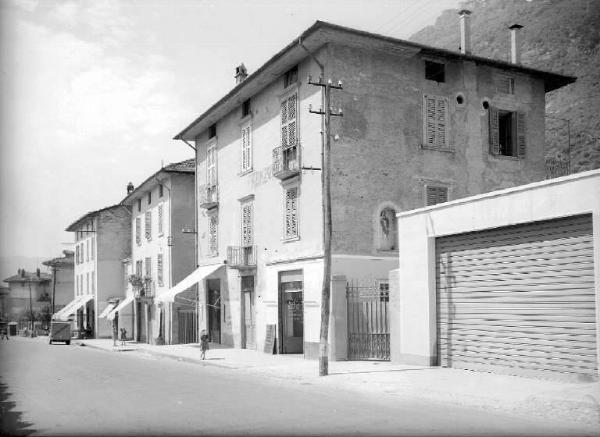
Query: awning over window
pixel 107 310
pixel 116 309
pixel 189 281
pixel 72 307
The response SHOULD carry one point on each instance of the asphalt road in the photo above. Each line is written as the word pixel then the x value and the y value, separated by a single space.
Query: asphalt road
pixel 75 390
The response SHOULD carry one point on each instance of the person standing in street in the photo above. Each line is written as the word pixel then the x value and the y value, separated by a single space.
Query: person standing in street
pixel 123 336
pixel 115 332
pixel 3 334
pixel 203 343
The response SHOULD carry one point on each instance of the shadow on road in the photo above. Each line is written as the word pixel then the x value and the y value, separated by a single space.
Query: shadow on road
pixel 11 419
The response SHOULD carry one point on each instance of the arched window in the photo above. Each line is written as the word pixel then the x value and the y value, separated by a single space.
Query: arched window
pixel 388 229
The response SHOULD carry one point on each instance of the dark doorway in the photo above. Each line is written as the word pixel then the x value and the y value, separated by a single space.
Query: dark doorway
pixel 248 315
pixel 213 287
pixel 291 312
pixel 138 321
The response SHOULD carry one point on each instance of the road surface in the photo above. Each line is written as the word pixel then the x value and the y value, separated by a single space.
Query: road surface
pixel 76 390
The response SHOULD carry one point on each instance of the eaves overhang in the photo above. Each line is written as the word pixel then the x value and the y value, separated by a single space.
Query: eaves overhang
pixel 322 33
pixel 73 226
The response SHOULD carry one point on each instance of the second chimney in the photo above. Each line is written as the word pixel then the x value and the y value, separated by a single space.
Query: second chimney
pixel 240 73
pixel 130 188
pixel 465 31
pixel 515 43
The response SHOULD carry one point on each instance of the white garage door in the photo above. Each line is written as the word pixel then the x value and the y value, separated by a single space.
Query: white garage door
pixel 519 299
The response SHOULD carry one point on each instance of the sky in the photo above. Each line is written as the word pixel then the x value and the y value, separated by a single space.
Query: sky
pixel 93 91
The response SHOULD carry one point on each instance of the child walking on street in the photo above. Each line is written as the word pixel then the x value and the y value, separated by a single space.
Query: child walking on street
pixel 123 336
pixel 203 343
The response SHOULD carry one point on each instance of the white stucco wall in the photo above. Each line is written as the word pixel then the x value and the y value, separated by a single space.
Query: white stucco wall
pixel 412 316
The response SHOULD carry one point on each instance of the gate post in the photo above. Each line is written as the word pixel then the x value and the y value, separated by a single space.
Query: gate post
pixel 395 322
pixel 338 322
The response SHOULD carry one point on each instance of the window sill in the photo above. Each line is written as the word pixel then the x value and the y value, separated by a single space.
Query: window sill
pixel 438 149
pixel 510 158
pixel 245 172
pixel 290 239
pixel 212 255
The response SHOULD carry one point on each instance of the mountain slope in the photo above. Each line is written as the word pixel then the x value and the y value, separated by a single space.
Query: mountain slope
pixel 558 35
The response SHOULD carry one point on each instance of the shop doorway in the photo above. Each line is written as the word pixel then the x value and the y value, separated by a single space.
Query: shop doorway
pixel 248 314
pixel 291 312
pixel 213 287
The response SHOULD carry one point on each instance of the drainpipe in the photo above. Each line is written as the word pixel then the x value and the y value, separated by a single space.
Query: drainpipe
pixel 197 306
pixel 169 246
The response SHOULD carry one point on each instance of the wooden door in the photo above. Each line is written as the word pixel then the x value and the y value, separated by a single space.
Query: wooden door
pixel 214 309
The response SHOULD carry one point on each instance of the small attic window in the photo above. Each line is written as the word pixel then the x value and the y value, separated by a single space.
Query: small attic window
pixel 246 108
pixel 435 71
pixel 290 77
pixel 212 131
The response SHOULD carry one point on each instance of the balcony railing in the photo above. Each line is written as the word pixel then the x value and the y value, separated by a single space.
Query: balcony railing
pixel 208 196
pixel 286 161
pixel 144 292
pixel 239 257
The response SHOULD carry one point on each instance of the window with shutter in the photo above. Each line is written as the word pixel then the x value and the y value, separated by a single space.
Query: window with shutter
pixel 435 122
pixel 160 219
pixel 93 247
pixel 138 231
pixel 211 166
pixel 93 282
pixel 138 267
pixel 247 231
pixel 148 266
pixel 436 194
pixel 77 254
pixel 507 133
pixel 291 213
pixel 148 225
pixel 212 234
pixel 87 250
pixel 159 269
pixel 246 149
pixel 505 84
pixel 289 121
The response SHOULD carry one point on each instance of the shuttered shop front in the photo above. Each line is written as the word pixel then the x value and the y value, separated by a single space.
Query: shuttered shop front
pixel 519 299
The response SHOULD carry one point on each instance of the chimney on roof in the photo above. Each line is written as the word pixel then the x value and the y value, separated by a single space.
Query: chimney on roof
pixel 240 73
pixel 22 273
pixel 130 188
pixel 37 272
pixel 465 31
pixel 515 43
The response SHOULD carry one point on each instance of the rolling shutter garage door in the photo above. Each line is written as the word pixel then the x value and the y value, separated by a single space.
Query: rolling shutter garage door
pixel 519 299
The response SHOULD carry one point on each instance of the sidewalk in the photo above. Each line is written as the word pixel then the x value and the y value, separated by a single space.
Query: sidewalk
pixel 576 403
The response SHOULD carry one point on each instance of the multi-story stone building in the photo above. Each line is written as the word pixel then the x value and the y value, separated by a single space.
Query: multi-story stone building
pixel 162 254
pixel 102 241
pixel 28 296
pixel 420 126
pixel 62 282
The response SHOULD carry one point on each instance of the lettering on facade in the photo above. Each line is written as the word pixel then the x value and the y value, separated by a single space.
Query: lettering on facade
pixel 270 339
pixel 261 177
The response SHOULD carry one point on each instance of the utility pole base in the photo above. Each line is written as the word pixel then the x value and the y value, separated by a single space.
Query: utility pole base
pixel 323 366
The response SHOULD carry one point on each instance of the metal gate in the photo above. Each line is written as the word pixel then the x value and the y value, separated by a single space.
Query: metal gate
pixel 368 320
pixel 187 326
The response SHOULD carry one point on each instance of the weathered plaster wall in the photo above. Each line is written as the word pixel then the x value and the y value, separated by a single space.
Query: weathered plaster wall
pixel 378 157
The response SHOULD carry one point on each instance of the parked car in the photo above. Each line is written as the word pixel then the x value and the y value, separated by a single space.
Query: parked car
pixel 60 331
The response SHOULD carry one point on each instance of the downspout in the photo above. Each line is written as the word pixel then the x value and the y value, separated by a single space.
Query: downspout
pixel 167 341
pixel 197 307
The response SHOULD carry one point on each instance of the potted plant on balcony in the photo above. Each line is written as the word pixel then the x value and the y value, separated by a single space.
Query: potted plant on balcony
pixel 137 282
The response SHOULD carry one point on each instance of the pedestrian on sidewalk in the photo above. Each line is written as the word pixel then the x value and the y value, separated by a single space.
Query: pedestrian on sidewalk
pixel 123 336
pixel 203 343
pixel 115 333
pixel 3 334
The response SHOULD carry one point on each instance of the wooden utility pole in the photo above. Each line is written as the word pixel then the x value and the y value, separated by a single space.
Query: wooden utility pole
pixel 326 112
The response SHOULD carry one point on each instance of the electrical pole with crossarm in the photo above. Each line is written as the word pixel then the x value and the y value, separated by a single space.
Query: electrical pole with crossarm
pixel 326 113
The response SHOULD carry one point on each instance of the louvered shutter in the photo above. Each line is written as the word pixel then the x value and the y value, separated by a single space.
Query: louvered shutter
pixel 159 269
pixel 148 225
pixel 160 219
pixel 211 166
pixel 289 132
pixel 436 195
pixel 138 230
pixel 494 131
pixel 441 124
pixel 429 105
pixel 284 119
pixel 247 225
pixel 521 134
pixel 212 232
pixel 291 213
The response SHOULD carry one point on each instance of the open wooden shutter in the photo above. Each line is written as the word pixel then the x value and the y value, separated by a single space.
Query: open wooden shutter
pixel 494 131
pixel 429 120
pixel 521 134
pixel 441 109
pixel 284 119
